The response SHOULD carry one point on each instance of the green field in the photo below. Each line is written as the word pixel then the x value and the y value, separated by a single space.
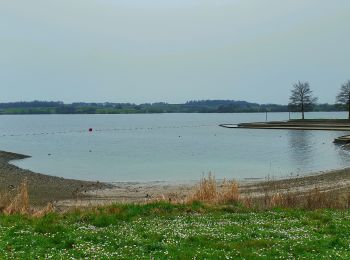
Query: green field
pixel 164 231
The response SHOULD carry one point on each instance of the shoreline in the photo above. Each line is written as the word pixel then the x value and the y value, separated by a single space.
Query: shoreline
pixel 65 193
pixel 43 188
pixel 305 124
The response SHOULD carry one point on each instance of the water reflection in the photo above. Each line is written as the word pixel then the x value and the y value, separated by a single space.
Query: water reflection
pixel 344 154
pixel 300 148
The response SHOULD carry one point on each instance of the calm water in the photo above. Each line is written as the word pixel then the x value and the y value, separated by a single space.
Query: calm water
pixel 169 147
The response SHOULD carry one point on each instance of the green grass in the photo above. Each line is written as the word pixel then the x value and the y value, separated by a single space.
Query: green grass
pixel 164 231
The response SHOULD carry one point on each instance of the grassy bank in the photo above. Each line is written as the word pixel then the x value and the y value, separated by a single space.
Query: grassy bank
pixel 167 231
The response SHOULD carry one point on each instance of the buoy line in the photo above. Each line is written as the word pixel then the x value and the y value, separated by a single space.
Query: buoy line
pixel 92 130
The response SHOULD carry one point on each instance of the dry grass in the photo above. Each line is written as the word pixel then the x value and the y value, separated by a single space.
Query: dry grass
pixel 19 203
pixel 5 198
pixel 42 212
pixel 229 193
pixel 208 191
pixel 312 199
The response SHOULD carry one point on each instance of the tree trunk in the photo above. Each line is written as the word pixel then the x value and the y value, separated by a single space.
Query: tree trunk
pixel 302 111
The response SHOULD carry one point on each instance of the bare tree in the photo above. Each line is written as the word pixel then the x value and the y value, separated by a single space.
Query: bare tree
pixel 344 96
pixel 302 98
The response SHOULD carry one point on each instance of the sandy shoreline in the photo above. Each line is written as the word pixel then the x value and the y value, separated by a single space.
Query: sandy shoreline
pixel 68 192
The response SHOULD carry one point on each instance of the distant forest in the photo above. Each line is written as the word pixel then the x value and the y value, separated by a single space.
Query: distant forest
pixel 200 106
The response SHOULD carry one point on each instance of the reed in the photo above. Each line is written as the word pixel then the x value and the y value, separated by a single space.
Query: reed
pixel 5 199
pixel 229 193
pixel 20 203
pixel 44 211
pixel 208 190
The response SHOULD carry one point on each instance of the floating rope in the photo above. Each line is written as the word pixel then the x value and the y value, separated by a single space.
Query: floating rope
pixel 91 130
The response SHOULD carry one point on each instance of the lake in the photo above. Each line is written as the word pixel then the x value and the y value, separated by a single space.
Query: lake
pixel 167 147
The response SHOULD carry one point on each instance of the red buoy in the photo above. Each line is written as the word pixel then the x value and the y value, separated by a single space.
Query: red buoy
pixel 90 129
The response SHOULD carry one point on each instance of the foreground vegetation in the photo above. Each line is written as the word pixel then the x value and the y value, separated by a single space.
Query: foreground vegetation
pixel 166 231
pixel 213 222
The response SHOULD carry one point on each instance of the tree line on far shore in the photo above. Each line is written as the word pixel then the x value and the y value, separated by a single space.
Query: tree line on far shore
pixel 200 106
pixel 302 98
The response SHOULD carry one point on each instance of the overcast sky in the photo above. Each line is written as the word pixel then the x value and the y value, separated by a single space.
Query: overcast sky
pixel 172 50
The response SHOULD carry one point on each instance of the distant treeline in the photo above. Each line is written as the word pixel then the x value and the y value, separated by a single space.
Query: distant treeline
pixel 200 106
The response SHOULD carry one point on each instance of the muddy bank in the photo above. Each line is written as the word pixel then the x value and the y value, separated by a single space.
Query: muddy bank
pixel 42 188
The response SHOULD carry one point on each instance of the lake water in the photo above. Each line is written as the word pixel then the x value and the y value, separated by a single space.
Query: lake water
pixel 167 147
